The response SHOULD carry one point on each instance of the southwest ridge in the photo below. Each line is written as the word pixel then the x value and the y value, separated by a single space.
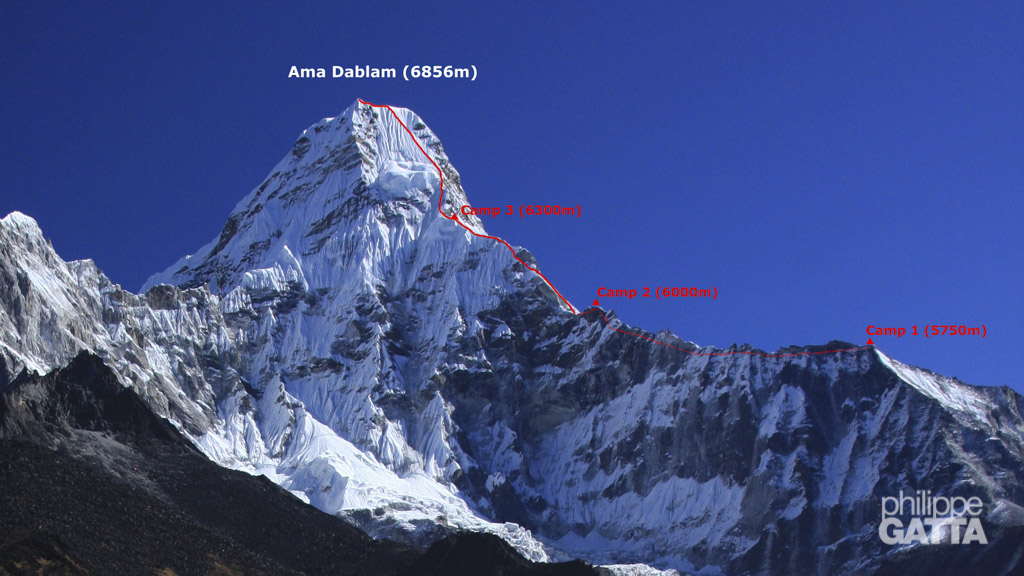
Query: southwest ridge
pixel 455 218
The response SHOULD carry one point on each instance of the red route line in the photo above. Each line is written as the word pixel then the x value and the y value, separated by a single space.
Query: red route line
pixel 607 325
pixel 454 217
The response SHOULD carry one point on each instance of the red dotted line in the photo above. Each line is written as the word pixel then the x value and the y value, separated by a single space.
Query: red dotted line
pixel 607 325
pixel 454 217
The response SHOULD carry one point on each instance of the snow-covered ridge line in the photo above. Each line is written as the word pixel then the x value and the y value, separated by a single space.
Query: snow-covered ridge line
pixel 947 391
pixel 474 226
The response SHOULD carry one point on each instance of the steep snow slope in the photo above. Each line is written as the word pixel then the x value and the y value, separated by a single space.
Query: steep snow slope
pixel 160 342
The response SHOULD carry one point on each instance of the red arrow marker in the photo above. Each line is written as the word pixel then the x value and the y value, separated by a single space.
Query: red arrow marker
pixel 596 303
pixel 870 343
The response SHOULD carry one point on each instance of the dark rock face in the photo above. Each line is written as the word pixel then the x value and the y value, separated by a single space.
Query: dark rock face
pixel 63 516
pixel 95 483
pixel 84 396
pixel 467 553
pixel 798 450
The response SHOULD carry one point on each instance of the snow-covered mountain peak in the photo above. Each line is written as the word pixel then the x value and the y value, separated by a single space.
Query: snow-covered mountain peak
pixel 18 222
pixel 342 284
pixel 357 187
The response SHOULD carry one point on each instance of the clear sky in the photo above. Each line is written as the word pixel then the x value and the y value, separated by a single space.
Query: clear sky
pixel 826 166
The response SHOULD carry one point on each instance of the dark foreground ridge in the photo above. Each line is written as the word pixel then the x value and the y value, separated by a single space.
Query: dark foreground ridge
pixel 95 483
pixel 467 553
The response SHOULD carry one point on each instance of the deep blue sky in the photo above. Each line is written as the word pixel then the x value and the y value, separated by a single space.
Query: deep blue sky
pixel 825 167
